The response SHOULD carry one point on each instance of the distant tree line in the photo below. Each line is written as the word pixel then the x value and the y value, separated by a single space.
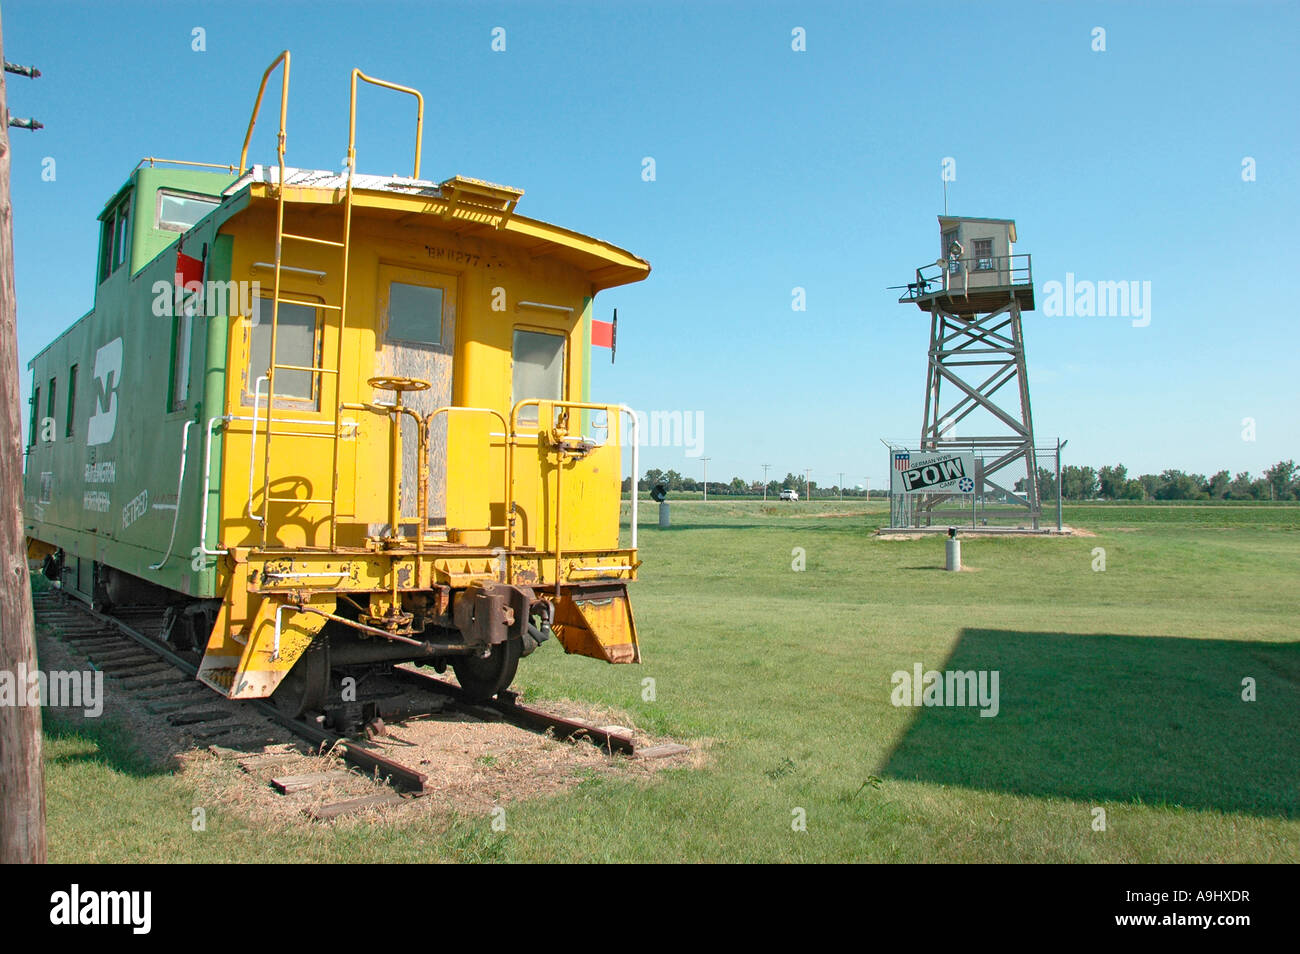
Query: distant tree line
pixel 1279 482
pixel 739 487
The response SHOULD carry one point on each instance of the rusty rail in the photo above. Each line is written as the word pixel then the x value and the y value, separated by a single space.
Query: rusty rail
pixel 399 775
pixel 525 716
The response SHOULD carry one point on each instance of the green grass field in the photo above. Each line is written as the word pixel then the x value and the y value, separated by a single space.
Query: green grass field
pixel 1120 690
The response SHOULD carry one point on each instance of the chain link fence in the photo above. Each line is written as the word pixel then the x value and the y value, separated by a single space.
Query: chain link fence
pixel 996 494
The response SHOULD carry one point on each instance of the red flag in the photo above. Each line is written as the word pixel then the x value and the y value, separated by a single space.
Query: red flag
pixel 189 269
pixel 602 334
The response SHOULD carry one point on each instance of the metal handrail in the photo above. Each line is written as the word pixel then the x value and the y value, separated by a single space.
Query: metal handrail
pixel 937 276
pixel 207 491
pixel 257 106
pixel 507 499
pixel 394 414
pixel 585 406
pixel 252 443
pixel 180 490
pixel 154 160
pixel 352 116
pixel 507 434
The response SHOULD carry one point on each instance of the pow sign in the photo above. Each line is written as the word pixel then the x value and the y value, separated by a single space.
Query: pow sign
pixel 933 472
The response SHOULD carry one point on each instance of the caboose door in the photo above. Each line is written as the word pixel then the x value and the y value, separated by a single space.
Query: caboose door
pixel 415 337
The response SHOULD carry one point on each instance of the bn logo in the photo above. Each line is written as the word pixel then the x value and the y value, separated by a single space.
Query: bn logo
pixel 108 377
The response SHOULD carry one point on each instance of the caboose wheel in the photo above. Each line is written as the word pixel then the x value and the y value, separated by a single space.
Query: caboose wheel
pixel 484 678
pixel 306 687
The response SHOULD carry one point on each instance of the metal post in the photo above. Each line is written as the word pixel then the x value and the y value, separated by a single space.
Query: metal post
pixel 765 467
pixel 706 478
pixel 1060 491
pixel 395 469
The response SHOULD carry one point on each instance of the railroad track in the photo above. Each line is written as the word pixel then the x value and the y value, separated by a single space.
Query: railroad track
pixel 128 647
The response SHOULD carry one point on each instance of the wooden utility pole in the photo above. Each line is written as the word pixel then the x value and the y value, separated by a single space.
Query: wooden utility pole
pixel 22 777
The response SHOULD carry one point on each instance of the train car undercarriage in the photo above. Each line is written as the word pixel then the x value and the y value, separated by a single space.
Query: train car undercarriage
pixel 480 631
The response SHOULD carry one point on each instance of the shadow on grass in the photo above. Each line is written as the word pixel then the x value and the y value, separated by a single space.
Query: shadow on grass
pixel 69 741
pixel 1149 719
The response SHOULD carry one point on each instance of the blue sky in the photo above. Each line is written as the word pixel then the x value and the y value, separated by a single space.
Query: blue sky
pixel 774 169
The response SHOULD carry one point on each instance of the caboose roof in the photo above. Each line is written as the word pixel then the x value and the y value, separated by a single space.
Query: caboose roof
pixel 465 206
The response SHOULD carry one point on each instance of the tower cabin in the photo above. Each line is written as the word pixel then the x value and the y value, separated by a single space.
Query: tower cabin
pixel 977 269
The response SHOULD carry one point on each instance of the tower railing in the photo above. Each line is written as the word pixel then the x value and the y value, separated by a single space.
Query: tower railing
pixel 953 275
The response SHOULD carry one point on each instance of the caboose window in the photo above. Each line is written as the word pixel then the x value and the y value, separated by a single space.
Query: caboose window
pixel 72 401
pixel 36 418
pixel 106 247
pixel 122 235
pixel 295 344
pixel 178 211
pixel 181 354
pixel 50 399
pixel 114 239
pixel 415 314
pixel 538 370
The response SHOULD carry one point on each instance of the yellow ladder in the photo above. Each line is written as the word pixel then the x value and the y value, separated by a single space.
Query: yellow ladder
pixel 341 307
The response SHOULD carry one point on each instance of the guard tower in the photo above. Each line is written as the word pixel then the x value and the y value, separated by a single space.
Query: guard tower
pixel 974 292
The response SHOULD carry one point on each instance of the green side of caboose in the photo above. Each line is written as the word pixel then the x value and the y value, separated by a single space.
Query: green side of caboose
pixel 117 395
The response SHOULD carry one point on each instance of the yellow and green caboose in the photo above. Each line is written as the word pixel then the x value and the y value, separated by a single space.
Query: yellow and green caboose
pixel 326 420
